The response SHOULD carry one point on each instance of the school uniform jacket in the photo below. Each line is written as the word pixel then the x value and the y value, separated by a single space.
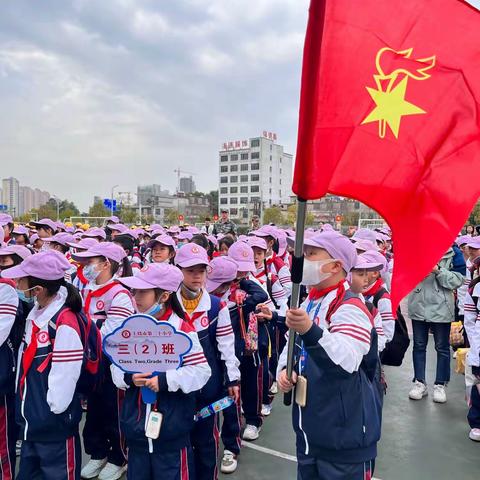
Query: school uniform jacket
pixel 218 342
pixel 8 310
pixel 279 293
pixel 176 399
pixel 471 323
pixel 109 305
pixel 47 406
pixel 277 266
pixel 384 309
pixel 462 290
pixel 341 421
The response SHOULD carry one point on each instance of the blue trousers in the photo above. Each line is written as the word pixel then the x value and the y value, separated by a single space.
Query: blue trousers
pixel 51 460
pixel 252 369
pixel 161 466
pixel 205 439
pixel 8 436
pixel 310 468
pixel 441 336
pixel 474 412
pixel 231 427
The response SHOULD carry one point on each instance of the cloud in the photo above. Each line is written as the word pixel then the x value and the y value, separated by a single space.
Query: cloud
pixel 96 94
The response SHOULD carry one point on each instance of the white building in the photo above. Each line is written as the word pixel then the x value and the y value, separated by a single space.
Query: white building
pixel 253 175
pixel 10 195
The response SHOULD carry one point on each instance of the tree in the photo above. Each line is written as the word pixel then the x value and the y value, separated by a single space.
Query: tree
pixel 129 215
pixel 292 216
pixel 351 219
pixel 273 215
pixel 98 210
pixel 171 216
pixel 213 199
pixel 474 218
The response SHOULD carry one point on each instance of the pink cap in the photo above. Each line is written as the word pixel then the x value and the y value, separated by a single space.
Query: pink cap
pixel 113 219
pixel 5 219
pixel 327 228
pixel 155 275
pixel 461 240
pixel 62 238
pixel 374 260
pixel 474 242
pixel 191 254
pixel 48 265
pixel 282 241
pixel 193 230
pixel 365 234
pixel 108 250
pixel 45 222
pixel 83 244
pixel 95 232
pixel 60 226
pixel 213 239
pixel 257 242
pixel 185 236
pixel 156 226
pixel 223 269
pixel 337 246
pixel 70 230
pixel 174 230
pixel 2 237
pixel 131 233
pixel 243 255
pixel 365 245
pixel 266 231
pixel 163 240
pixel 20 230
pixel 158 231
pixel 20 250
pixel 118 227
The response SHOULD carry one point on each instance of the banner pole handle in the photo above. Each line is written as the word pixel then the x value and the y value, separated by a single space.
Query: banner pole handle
pixel 297 273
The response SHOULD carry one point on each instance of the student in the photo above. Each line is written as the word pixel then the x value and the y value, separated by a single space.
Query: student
pixel 335 331
pixel 255 352
pixel 20 235
pixel 107 303
pixel 77 278
pixel 6 223
pixel 277 304
pixel 211 320
pixel 47 404
pixel 128 243
pixel 46 228
pixel 36 242
pixel 162 249
pixel 96 233
pixel 224 244
pixel 170 456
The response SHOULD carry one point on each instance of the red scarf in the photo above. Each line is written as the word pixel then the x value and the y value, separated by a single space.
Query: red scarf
pixel 81 276
pixel 97 293
pixel 316 293
pixel 378 285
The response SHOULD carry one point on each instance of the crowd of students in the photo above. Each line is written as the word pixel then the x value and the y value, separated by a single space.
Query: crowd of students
pixel 63 289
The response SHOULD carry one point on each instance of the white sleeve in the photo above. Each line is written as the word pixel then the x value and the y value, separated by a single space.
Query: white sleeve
pixel 348 339
pixel 280 295
pixel 472 327
pixel 226 344
pixel 120 309
pixel 285 279
pixel 194 372
pixel 461 292
pixel 8 310
pixel 382 340
pixel 66 367
pixel 388 319
pixel 118 377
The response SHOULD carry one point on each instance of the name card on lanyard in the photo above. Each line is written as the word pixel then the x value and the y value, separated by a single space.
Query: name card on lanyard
pixel 303 356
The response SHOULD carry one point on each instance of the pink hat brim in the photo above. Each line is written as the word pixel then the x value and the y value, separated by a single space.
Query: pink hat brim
pixel 136 283
pixel 192 262
pixel 14 272
pixel 246 266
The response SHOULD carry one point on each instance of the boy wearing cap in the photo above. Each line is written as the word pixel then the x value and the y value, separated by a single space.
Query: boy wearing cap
pixel 108 303
pixel 47 402
pixel 211 320
pixel 336 417
pixel 6 222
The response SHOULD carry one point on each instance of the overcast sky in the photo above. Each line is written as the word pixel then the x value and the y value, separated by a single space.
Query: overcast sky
pixel 98 93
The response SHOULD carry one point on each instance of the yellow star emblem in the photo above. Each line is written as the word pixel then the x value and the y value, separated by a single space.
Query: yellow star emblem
pixel 391 106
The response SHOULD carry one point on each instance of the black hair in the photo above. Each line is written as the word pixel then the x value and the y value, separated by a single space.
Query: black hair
pixel 172 302
pixel 115 266
pixel 63 248
pixel 73 301
pixel 126 242
pixel 275 246
pixel 200 240
pixel 24 235
pixel 227 241
pixel 207 219
pixel 17 259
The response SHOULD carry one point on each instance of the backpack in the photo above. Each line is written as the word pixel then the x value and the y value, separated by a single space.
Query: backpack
pixel 395 350
pixel 91 376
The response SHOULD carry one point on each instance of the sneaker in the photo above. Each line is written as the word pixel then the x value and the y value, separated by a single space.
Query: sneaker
pixel 474 434
pixel 266 410
pixel 418 391
pixel 251 432
pixel 439 394
pixel 229 462
pixel 111 472
pixel 93 468
pixel 274 388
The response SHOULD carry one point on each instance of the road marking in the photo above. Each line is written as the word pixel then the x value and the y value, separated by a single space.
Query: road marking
pixel 275 453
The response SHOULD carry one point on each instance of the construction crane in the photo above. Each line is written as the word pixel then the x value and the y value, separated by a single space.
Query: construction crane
pixel 179 172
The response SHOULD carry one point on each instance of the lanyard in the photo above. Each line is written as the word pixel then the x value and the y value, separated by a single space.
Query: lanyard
pixel 302 364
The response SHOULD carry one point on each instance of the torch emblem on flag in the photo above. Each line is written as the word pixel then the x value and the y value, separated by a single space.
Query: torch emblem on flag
pixel 393 71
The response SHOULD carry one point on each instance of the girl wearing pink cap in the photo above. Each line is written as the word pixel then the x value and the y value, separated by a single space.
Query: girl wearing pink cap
pixel 50 362
pixel 161 250
pixel 108 303
pixel 211 319
pixel 170 456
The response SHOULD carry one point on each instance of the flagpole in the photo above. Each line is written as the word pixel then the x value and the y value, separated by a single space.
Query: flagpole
pixel 297 272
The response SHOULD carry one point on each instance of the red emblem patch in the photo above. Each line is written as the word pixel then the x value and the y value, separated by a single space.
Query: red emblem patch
pixel 43 337
pixel 126 334
pixel 204 322
pixel 100 305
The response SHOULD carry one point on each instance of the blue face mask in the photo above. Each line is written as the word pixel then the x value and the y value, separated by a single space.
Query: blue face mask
pixel 154 309
pixel 24 298
pixel 91 273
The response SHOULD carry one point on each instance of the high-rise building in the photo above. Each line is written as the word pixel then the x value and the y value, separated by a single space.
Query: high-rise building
pixel 253 175
pixel 26 200
pixel 10 195
pixel 187 185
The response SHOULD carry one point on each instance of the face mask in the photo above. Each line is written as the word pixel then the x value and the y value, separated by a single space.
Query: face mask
pixel 154 309
pixel 90 273
pixel 312 271
pixel 180 244
pixel 24 298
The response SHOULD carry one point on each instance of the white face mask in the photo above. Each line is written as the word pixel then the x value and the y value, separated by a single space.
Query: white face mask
pixel 313 273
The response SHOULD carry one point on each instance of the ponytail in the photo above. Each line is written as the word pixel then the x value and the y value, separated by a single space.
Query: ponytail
pixel 74 300
pixel 126 268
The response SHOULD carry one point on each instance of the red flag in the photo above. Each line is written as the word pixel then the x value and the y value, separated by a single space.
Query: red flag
pixel 389 115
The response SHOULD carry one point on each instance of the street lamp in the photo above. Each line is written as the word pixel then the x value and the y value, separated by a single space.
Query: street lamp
pixel 111 205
